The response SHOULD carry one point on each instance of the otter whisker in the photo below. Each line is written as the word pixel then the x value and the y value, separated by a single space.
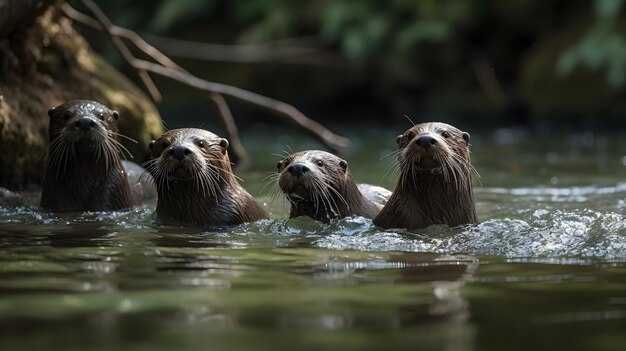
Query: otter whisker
pixel 279 155
pixel 117 134
pixel 410 120
pixel 319 197
pixel 214 172
pixel 271 178
pixel 221 169
pixel 468 164
pixel 119 147
pixel 460 165
pixel 330 188
pixel 201 185
pixel 327 198
pixel 165 126
pixel 275 194
pixel 394 153
pixel 212 176
pixel 394 167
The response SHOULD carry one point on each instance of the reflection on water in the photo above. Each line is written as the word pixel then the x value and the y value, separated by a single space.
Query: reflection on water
pixel 545 269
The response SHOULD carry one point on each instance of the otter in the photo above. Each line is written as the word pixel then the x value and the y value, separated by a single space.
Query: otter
pixel 84 171
pixel 435 185
pixel 319 184
pixel 195 182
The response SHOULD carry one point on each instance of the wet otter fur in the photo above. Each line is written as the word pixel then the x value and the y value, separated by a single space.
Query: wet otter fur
pixel 319 184
pixel 435 185
pixel 195 182
pixel 84 170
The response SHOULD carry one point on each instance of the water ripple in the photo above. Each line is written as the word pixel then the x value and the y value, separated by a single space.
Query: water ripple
pixel 539 233
pixel 548 233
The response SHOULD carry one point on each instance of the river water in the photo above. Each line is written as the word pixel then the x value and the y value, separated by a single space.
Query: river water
pixel 546 268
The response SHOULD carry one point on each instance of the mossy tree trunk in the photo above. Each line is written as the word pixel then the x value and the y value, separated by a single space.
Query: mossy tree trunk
pixel 43 62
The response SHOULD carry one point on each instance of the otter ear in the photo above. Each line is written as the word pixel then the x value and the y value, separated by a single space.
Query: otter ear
pixel 399 138
pixel 224 144
pixel 343 164
pixel 116 115
pixel 51 111
pixel 151 145
pixel 466 137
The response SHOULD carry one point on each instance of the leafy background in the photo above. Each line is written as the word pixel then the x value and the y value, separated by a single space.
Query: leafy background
pixel 503 62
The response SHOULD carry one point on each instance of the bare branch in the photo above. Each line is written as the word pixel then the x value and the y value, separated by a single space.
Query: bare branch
pixel 230 127
pixel 121 48
pixel 167 68
pixel 248 53
pixel 133 37
pixel 286 111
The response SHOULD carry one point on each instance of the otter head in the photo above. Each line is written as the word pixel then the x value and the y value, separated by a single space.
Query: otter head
pixel 189 156
pixel 316 177
pixel 437 149
pixel 82 122
pixel 83 128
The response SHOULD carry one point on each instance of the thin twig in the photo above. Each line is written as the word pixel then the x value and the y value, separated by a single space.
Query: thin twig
pixel 128 34
pixel 247 53
pixel 286 111
pixel 122 49
pixel 225 116
pixel 230 127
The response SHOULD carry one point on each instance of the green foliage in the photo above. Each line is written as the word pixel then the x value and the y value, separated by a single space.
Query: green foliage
pixel 398 38
pixel 170 12
pixel 157 16
pixel 603 47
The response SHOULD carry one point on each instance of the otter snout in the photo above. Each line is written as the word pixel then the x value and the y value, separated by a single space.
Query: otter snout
pixel 179 152
pixel 298 169
pixel 85 124
pixel 426 142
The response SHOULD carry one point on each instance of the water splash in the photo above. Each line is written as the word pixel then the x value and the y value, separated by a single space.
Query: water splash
pixel 547 233
pixel 539 233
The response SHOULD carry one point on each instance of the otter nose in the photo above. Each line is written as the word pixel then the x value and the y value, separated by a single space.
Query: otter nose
pixel 426 141
pixel 179 152
pixel 85 123
pixel 297 169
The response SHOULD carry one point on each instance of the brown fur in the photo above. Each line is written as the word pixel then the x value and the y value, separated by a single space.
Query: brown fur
pixel 339 196
pixel 84 171
pixel 435 185
pixel 208 194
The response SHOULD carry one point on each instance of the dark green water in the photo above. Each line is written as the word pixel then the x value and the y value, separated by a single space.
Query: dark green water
pixel 545 270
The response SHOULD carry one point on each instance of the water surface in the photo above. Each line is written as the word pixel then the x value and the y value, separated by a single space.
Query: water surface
pixel 546 268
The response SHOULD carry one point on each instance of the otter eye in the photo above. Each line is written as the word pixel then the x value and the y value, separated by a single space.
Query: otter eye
pixel 51 112
pixel 403 137
pixel 282 164
pixel 67 115
pixel 466 137
pixel 201 143
pixel 116 115
pixel 343 164
pixel 445 134
pixel 224 144
pixel 151 145
pixel 319 163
